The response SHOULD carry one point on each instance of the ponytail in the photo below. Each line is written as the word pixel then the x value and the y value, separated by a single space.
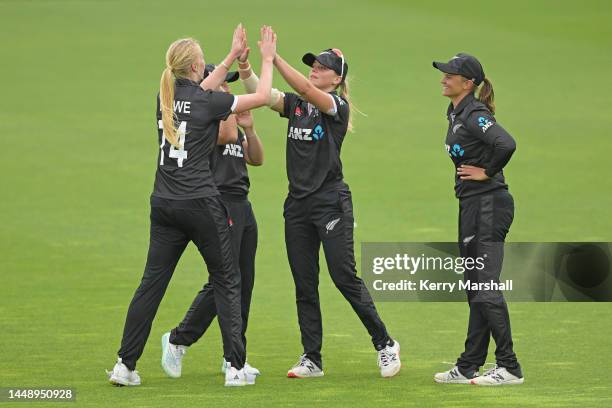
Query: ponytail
pixel 180 56
pixel 166 100
pixel 487 96
pixel 344 93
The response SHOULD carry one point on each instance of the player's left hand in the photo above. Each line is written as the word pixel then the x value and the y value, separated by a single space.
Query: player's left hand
pixel 245 119
pixel 467 172
pixel 238 41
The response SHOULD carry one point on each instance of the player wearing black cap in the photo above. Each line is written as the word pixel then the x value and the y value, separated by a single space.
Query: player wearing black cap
pixel 480 148
pixel 185 204
pixel 235 149
pixel 319 209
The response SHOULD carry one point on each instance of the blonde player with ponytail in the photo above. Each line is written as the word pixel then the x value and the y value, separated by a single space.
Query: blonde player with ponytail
pixel 318 210
pixel 185 203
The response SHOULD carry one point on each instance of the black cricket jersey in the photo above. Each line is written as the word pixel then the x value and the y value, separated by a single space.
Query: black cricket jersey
pixel 475 138
pixel 229 168
pixel 314 141
pixel 185 173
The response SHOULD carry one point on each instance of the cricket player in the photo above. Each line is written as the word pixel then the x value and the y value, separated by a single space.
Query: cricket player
pixel 185 203
pixel 240 145
pixel 318 209
pixel 480 148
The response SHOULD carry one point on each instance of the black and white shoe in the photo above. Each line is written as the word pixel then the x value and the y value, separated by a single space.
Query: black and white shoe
pixel 305 368
pixel 389 360
pixel 497 376
pixel 452 376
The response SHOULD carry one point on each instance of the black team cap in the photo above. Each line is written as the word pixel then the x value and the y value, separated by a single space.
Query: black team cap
pixel 231 76
pixel 332 58
pixel 463 64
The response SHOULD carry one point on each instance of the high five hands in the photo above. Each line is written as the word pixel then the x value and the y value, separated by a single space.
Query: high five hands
pixel 267 43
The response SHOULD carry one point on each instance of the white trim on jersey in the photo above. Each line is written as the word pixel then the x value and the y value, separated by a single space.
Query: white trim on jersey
pixel 334 110
pixel 163 142
pixel 234 104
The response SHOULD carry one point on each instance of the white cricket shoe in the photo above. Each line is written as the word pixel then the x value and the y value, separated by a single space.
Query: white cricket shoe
pixel 121 375
pixel 389 360
pixel 452 376
pixel 305 368
pixel 248 369
pixel 172 357
pixel 497 376
pixel 250 372
pixel 235 377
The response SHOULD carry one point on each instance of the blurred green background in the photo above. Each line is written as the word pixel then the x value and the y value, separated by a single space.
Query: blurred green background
pixel 79 80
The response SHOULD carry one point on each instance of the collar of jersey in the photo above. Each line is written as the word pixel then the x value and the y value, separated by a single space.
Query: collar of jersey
pixel 464 102
pixel 186 81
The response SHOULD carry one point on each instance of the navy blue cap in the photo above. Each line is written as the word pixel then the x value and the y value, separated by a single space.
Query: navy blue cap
pixel 332 58
pixel 465 65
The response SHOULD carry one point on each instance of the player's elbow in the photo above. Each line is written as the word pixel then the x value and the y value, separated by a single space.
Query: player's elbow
pixel 256 162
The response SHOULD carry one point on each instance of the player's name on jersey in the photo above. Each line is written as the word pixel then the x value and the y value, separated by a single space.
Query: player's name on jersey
pixel 182 107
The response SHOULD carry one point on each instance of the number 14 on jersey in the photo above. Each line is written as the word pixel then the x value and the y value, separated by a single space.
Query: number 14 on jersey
pixel 179 154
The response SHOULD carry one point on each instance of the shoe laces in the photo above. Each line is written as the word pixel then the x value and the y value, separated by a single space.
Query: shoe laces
pixel 302 361
pixel 178 351
pixel 386 356
pixel 492 370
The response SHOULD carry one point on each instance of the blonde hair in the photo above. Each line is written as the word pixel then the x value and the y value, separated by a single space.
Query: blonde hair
pixel 344 93
pixel 180 56
pixel 343 88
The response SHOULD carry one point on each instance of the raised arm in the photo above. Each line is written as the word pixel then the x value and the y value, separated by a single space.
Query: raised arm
pixel 250 80
pixel 321 99
pixel 217 77
pixel 267 47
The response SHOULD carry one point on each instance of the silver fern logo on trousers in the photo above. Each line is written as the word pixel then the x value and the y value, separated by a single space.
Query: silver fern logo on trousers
pixel 330 225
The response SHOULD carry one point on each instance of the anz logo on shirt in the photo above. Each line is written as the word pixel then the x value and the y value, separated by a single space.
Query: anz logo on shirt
pixel 309 135
pixel 484 123
pixel 233 150
pixel 456 151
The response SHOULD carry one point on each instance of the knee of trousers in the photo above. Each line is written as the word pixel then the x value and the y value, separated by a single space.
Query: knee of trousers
pixel 344 276
pixel 311 297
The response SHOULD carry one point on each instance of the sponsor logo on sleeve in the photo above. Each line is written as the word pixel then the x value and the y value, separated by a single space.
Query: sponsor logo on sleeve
pixel 484 123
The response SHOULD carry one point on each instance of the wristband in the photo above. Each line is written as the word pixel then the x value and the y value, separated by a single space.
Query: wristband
pixel 224 65
pixel 244 69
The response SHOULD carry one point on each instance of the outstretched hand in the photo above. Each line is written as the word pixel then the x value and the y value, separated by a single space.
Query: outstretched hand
pixel 239 42
pixel 267 44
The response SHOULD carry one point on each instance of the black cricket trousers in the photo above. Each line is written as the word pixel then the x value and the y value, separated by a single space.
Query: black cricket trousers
pixel 326 217
pixel 484 221
pixel 244 245
pixel 174 223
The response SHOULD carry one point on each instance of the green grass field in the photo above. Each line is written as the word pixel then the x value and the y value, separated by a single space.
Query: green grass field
pixel 79 80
